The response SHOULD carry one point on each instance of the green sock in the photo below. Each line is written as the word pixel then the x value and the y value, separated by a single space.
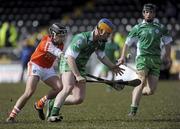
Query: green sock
pixel 55 111
pixel 51 103
pixel 134 109
pixel 50 106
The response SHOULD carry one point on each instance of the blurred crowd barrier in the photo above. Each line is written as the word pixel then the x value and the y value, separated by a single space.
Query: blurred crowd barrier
pixel 10 73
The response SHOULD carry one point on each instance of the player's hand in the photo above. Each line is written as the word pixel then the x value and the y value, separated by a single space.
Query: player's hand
pixel 60 55
pixel 80 79
pixel 117 70
pixel 168 62
pixel 121 60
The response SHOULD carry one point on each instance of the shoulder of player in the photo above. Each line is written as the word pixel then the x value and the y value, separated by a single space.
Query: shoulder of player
pixel 45 38
pixel 160 25
pixel 81 37
pixel 46 42
pixel 137 26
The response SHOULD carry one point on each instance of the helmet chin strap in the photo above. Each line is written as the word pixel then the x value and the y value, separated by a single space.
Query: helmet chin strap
pixel 54 34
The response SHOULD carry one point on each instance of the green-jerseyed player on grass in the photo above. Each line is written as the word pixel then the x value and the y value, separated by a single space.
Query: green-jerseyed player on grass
pixel 149 37
pixel 72 67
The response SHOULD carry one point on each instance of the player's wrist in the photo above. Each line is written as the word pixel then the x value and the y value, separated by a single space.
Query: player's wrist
pixel 80 78
pixel 60 54
pixel 112 66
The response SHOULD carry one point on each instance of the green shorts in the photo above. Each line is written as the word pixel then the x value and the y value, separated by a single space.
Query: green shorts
pixel 64 67
pixel 149 64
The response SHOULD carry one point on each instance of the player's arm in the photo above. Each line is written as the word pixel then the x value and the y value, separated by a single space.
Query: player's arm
pixel 131 38
pixel 74 69
pixel 129 41
pixel 51 48
pixel 105 60
pixel 72 53
pixel 123 54
pixel 168 50
pixel 166 41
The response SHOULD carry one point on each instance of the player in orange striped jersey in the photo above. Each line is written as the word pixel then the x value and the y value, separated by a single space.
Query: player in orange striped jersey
pixel 40 67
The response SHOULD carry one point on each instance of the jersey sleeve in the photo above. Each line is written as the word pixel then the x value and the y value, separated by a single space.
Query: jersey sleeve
pixel 76 45
pixel 166 38
pixel 51 48
pixel 132 36
pixel 46 45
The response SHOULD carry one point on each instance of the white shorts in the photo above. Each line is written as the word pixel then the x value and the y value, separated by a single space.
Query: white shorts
pixel 43 73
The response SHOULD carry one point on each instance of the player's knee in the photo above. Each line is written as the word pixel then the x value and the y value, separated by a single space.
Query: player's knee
pixel 79 100
pixel 68 89
pixel 150 92
pixel 143 82
pixel 58 89
pixel 141 86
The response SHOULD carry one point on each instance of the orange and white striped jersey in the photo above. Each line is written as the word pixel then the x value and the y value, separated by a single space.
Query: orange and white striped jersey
pixel 46 52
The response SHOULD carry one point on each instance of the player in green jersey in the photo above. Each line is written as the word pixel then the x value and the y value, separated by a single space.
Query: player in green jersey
pixel 72 67
pixel 149 37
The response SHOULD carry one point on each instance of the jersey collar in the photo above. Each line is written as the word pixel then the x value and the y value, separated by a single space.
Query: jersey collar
pixel 154 21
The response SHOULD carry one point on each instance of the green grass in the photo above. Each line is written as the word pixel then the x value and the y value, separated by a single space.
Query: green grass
pixel 100 110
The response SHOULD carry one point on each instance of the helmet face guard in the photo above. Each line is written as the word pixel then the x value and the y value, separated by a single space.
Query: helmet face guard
pixel 56 28
pixel 149 7
pixel 105 24
pixel 104 28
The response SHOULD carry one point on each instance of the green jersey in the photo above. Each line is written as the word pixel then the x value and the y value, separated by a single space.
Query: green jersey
pixel 150 37
pixel 81 47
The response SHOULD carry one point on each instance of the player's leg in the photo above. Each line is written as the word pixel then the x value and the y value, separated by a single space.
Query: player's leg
pixel 137 92
pixel 31 85
pixel 52 80
pixel 153 78
pixel 55 83
pixel 68 85
pixel 152 82
pixel 77 95
pixel 72 93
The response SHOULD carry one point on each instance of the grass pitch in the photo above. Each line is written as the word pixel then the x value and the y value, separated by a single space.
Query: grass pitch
pixel 100 110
